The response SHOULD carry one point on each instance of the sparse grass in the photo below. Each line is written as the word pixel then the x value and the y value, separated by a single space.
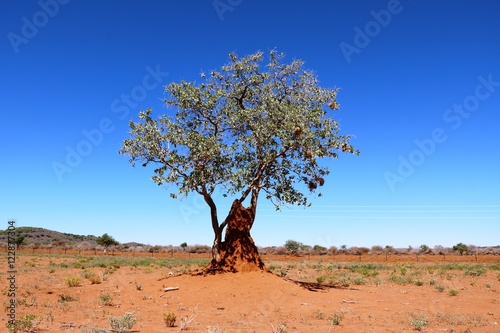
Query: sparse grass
pixel 358 281
pixel 73 281
pixel 453 292
pixel 320 279
pixel 94 329
pixel 122 323
pixel 453 319
pixel 440 288
pixel 418 282
pixel 337 318
pixel 26 323
pixel 419 323
pixel 280 328
pixel 476 271
pixel 169 319
pixel 105 299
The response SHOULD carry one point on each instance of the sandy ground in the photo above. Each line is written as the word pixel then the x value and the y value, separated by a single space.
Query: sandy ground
pixel 256 302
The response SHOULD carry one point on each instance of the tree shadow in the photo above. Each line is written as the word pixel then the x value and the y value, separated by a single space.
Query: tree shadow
pixel 316 287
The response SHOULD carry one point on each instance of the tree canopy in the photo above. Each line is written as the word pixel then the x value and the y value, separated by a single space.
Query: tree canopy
pixel 242 130
pixel 106 240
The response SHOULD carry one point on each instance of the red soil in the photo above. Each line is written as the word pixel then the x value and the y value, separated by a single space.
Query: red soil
pixel 253 302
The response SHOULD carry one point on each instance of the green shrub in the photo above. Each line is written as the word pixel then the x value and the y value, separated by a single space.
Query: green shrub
pixel 123 323
pixel 439 288
pixel 27 323
pixel 419 282
pixel 169 319
pixel 73 281
pixel 105 299
pixel 320 279
pixel 419 323
pixel 359 280
pixel 337 318
pixel 453 292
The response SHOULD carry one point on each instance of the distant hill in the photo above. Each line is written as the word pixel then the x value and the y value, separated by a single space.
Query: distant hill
pixel 41 237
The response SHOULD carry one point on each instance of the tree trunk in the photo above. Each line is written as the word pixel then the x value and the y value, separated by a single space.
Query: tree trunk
pixel 237 253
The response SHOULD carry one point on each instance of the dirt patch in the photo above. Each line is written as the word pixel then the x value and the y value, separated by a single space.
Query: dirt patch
pixel 370 298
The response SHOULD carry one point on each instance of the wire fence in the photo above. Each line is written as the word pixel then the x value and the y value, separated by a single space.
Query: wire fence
pixel 385 257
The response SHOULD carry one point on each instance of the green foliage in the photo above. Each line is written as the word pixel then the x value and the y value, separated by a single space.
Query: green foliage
pixel 20 240
pixel 26 323
pixel 337 318
pixel 453 292
pixel 320 279
pixel 105 299
pixel 440 288
pixel 106 240
pixel 293 246
pixel 169 319
pixel 73 281
pixel 419 323
pixel 123 323
pixel 243 129
pixel 461 248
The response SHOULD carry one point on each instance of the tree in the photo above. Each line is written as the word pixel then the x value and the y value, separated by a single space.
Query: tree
pixel 184 245
pixel 241 132
pixel 461 248
pixel 320 250
pixel 293 246
pixel 20 241
pixel 106 241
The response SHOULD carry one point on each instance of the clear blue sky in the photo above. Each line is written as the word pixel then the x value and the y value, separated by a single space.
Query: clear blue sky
pixel 419 88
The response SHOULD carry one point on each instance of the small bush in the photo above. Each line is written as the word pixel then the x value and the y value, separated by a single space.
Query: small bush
pixel 95 279
pixel 337 318
pixel 439 288
pixel 73 281
pixel 321 279
pixel 27 323
pixel 358 281
pixel 419 282
pixel 478 271
pixel 105 299
pixel 453 292
pixel 419 323
pixel 169 319
pixel 123 323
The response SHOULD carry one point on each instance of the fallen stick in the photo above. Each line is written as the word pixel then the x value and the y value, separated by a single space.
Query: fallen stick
pixel 170 288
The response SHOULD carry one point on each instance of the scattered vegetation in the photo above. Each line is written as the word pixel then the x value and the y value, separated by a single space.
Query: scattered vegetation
pixel 169 319
pixel 419 323
pixel 122 323
pixel 105 299
pixel 27 323
pixel 337 318
pixel 73 281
